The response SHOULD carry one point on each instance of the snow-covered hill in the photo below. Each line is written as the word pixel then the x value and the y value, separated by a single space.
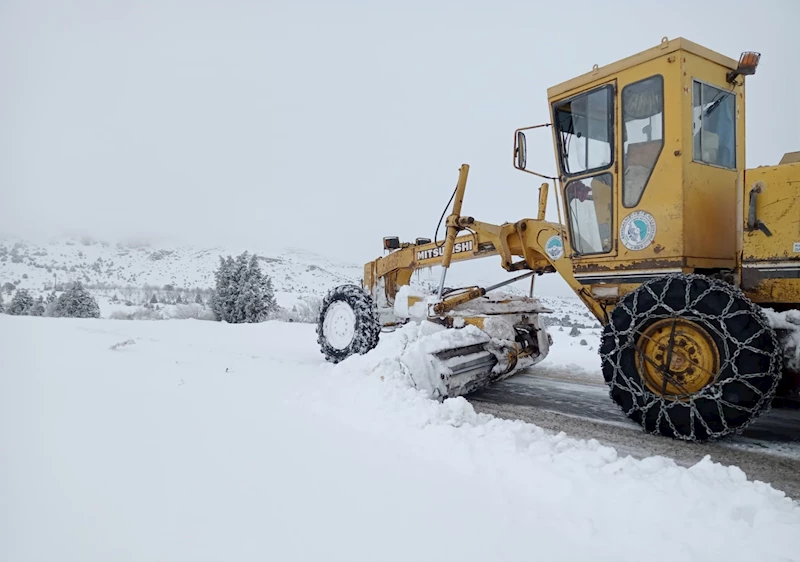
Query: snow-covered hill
pixel 105 267
pixel 134 271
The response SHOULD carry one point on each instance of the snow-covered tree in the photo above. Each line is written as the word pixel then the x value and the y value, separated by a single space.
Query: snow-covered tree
pixel 38 307
pixel 76 302
pixel 198 299
pixel 256 300
pixel 243 293
pixel 21 304
pixel 154 299
pixel 2 308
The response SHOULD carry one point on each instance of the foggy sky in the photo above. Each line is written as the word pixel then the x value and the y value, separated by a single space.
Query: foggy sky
pixel 323 125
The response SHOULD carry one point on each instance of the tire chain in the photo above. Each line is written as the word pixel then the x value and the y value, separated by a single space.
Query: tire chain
pixel 367 325
pixel 624 339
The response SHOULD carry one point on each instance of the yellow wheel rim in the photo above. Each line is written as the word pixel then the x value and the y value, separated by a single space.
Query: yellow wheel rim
pixel 676 358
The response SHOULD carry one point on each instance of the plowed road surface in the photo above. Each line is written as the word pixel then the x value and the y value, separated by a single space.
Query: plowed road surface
pixel 768 450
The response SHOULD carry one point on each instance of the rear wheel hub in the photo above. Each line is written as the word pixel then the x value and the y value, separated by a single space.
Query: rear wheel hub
pixel 677 358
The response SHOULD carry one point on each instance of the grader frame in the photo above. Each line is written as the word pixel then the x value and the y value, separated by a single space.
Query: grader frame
pixel 672 244
pixel 693 204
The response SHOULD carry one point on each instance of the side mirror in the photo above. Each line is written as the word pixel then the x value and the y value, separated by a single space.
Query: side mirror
pixel 521 151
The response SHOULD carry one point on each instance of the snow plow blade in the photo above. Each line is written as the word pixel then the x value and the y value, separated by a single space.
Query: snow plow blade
pixel 466 369
pixel 472 345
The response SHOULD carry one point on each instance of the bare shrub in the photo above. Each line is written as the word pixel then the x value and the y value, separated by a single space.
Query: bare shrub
pixel 306 310
pixel 191 311
pixel 137 314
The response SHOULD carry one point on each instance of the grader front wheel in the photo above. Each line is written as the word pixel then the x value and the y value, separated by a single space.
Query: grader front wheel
pixel 690 357
pixel 348 323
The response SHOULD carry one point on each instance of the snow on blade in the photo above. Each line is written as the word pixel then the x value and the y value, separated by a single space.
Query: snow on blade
pixel 207 441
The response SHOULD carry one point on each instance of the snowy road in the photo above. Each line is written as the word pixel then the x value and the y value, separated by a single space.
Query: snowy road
pixel 769 450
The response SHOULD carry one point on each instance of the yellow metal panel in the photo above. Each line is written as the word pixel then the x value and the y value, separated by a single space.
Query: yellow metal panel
pixel 477 321
pixel 778 207
pixel 671 46
pixel 771 264
pixel 773 291
pixel 710 192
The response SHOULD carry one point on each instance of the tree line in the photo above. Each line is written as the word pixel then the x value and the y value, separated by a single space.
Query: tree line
pixel 242 293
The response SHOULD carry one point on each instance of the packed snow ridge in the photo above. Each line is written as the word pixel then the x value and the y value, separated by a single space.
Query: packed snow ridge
pixel 190 440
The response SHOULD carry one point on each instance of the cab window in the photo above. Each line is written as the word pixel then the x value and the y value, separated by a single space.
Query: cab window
pixel 585 128
pixel 642 135
pixel 713 125
pixel 589 206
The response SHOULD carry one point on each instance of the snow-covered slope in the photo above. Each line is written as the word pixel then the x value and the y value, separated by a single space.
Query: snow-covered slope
pixel 135 270
pixel 38 266
pixel 187 440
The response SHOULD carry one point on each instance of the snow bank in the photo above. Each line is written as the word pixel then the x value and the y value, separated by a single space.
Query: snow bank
pixel 191 440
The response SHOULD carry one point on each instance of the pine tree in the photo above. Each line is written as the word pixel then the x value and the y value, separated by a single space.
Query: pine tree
pixel 2 308
pixel 219 299
pixel 154 299
pixel 242 293
pixel 21 304
pixel 239 285
pixel 256 297
pixel 197 299
pixel 76 302
pixel 178 300
pixel 38 307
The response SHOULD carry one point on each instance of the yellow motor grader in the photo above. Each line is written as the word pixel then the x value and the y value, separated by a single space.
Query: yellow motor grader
pixel 672 244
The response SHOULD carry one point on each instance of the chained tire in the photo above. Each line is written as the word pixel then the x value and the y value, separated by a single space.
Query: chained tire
pixel 690 357
pixel 348 323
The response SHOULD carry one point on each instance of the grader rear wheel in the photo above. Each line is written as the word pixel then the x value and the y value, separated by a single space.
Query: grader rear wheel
pixel 690 357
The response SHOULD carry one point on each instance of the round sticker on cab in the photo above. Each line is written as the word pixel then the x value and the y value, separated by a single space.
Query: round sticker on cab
pixel 554 247
pixel 638 230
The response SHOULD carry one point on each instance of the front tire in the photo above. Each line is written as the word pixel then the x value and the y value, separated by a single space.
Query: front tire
pixel 348 323
pixel 690 357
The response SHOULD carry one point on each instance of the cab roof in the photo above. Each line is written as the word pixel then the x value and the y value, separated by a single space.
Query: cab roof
pixel 666 46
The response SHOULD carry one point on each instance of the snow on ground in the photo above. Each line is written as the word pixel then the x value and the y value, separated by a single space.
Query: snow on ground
pixel 191 440
pixel 572 359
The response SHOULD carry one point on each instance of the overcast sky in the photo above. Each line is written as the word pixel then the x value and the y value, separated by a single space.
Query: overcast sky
pixel 322 124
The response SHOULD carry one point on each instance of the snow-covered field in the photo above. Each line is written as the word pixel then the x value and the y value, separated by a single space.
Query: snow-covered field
pixel 190 440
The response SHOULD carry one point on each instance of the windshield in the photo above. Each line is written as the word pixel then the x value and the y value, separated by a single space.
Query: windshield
pixel 586 131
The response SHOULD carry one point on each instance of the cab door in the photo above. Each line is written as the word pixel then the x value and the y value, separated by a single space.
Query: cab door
pixel 584 130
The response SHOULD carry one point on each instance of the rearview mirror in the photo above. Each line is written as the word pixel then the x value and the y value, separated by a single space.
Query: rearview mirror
pixel 521 151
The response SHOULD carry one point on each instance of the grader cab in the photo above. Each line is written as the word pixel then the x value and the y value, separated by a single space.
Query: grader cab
pixel 672 244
